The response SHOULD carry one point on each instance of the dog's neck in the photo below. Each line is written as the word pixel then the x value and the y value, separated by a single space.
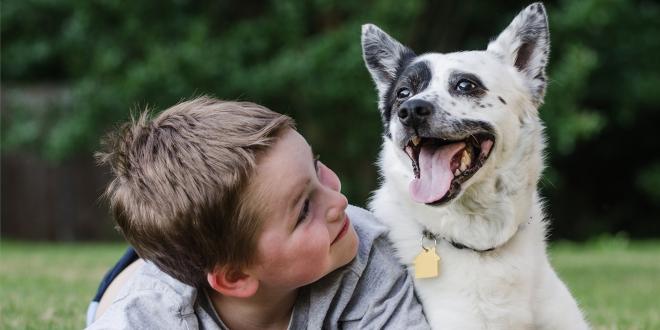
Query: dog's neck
pixel 484 222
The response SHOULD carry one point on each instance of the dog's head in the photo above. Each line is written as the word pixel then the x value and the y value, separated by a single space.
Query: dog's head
pixel 450 114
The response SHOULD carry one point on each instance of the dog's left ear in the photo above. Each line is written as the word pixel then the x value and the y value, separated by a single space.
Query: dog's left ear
pixel 525 44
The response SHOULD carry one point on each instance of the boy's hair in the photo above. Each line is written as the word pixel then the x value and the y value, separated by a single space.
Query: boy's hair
pixel 179 179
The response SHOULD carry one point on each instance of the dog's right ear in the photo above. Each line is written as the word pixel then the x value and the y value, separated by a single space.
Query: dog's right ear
pixel 525 44
pixel 383 55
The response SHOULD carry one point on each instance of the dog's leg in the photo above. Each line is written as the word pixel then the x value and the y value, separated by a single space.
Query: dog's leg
pixel 555 307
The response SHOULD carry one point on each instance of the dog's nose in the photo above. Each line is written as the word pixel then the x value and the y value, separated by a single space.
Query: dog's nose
pixel 414 112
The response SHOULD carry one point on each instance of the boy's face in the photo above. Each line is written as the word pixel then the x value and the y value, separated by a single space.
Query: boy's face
pixel 305 233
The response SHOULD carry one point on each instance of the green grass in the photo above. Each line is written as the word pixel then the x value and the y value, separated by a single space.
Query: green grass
pixel 48 286
pixel 616 282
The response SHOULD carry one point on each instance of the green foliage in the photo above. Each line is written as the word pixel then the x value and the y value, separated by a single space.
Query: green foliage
pixel 295 57
pixel 648 180
pixel 601 110
pixel 604 67
pixel 568 122
pixel 303 58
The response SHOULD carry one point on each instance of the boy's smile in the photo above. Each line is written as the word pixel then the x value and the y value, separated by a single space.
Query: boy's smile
pixel 343 231
pixel 305 231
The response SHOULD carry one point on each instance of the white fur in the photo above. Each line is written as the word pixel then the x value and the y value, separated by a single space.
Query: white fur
pixel 514 286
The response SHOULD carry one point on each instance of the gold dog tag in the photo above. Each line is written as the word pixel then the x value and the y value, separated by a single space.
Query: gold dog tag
pixel 426 263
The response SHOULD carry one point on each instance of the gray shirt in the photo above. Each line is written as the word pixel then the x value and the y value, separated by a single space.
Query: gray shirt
pixel 371 292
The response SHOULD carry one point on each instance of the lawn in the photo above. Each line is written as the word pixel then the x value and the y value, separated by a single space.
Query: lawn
pixel 48 286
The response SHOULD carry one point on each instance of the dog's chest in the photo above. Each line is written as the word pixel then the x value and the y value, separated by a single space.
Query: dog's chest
pixel 492 290
pixel 476 292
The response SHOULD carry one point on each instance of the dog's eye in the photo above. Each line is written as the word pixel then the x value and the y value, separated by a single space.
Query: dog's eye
pixel 403 93
pixel 465 86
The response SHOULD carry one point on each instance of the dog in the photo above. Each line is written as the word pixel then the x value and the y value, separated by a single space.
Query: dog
pixel 460 162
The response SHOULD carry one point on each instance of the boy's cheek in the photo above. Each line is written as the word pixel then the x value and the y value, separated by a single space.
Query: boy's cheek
pixel 308 264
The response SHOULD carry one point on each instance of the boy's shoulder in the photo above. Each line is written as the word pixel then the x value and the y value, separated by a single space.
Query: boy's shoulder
pixel 375 249
pixel 152 299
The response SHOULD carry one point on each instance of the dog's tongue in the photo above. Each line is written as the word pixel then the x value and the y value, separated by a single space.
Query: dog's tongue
pixel 435 173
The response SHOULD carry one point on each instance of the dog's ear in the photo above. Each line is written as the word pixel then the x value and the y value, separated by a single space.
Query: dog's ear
pixel 383 55
pixel 525 43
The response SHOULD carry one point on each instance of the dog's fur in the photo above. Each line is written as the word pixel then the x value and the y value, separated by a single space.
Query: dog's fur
pixel 514 285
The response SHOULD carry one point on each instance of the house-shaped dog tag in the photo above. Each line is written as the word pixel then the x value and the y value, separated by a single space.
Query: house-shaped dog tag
pixel 426 263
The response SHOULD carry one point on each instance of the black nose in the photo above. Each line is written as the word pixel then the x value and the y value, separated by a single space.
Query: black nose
pixel 412 113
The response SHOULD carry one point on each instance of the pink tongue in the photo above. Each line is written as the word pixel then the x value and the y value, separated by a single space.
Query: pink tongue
pixel 435 173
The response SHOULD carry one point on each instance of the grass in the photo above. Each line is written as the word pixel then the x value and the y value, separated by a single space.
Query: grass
pixel 48 286
pixel 615 281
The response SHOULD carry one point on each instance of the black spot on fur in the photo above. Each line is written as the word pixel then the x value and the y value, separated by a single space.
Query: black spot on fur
pixel 499 184
pixel 415 76
pixel 474 127
pixel 501 100
pixel 539 9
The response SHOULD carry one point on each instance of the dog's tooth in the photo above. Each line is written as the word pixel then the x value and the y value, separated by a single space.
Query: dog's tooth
pixel 466 160
pixel 457 172
pixel 415 140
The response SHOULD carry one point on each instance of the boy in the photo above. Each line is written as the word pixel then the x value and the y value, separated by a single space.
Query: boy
pixel 243 228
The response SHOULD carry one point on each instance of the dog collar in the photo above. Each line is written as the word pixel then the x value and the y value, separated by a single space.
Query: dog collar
pixel 427 261
pixel 435 237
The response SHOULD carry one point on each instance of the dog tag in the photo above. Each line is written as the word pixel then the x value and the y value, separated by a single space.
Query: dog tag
pixel 426 263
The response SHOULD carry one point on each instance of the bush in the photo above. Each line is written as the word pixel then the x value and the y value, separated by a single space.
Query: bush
pixel 303 58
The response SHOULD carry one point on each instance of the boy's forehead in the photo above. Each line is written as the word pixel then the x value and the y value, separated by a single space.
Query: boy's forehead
pixel 283 172
pixel 288 145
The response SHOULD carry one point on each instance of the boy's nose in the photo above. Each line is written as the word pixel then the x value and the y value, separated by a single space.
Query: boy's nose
pixel 336 210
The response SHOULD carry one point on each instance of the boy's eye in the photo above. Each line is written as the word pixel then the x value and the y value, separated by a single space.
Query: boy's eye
pixel 304 212
pixel 317 160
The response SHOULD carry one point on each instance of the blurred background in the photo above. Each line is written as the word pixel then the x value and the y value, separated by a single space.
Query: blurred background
pixel 73 69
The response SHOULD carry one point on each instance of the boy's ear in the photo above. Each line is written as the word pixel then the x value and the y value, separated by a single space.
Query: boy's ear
pixel 232 282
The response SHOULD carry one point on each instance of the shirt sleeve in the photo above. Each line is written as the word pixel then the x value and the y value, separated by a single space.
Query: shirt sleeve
pixel 145 309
